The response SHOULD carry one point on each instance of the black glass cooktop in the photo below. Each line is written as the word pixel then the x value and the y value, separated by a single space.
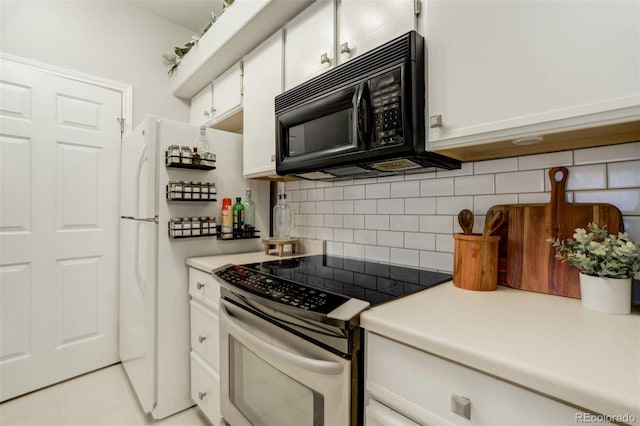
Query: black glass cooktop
pixel 369 281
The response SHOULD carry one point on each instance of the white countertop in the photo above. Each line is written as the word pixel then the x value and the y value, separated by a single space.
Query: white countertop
pixel 549 344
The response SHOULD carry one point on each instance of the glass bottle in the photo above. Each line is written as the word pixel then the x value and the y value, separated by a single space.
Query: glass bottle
pixel 277 214
pixel 226 220
pixel 286 220
pixel 249 212
pixel 202 146
pixel 238 217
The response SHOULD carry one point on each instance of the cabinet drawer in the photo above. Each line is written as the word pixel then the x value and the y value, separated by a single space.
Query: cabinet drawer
pixel 204 334
pixel 203 287
pixel 422 385
pixel 205 389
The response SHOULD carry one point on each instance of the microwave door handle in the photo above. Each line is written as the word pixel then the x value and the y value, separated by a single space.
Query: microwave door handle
pixel 363 114
pixel 326 368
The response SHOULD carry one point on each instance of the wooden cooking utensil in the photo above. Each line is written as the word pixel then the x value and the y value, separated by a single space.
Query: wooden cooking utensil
pixel 526 260
pixel 465 219
pixel 495 218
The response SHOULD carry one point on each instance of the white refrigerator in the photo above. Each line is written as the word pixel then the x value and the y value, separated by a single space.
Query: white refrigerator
pixel 154 298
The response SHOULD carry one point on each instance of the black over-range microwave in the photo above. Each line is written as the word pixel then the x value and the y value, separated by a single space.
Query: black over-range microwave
pixel 364 117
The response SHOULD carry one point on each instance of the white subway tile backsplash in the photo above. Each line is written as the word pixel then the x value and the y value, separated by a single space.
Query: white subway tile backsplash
pixel 482 203
pixel 292 185
pixel 300 195
pixel 378 190
pixel 420 241
pixel 496 166
pixel 405 257
pixel 315 194
pixel 471 185
pixel 436 224
pixel 420 176
pixel 466 169
pixel 365 206
pixel 355 221
pixel 452 205
pixel 335 248
pixel 404 223
pixel 436 260
pixel 624 175
pixel 545 161
pixel 444 243
pixel 295 207
pixel 343 235
pixel 343 182
pixel 632 227
pixel 582 177
pixel 307 207
pixel 424 205
pixel 324 184
pixel 365 181
pixel 529 181
pixel 374 221
pixel 534 198
pixel 405 189
pixel 324 207
pixel 361 236
pixel 314 220
pixel 376 253
pixel 607 154
pixel 392 178
pixel 333 220
pixel 307 184
pixel 355 251
pixel 324 234
pixel 334 193
pixel 353 192
pixel 390 239
pixel 627 200
pixel 343 207
pixel 436 187
pixel 390 206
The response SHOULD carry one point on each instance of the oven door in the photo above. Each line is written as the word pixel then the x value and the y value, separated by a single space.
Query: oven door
pixel 334 128
pixel 270 376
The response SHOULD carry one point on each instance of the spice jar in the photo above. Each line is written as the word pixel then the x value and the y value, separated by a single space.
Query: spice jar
pixel 204 226
pixel 175 227
pixel 195 226
pixel 185 155
pixel 195 189
pixel 174 154
pixel 186 227
pixel 212 191
pixel 213 226
pixel 187 190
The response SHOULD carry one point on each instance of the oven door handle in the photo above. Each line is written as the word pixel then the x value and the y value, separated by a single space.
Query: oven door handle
pixel 326 368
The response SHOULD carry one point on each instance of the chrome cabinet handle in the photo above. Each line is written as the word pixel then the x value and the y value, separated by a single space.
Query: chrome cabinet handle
pixel 206 113
pixel 202 395
pixel 201 338
pixel 344 48
pixel 435 121
pixel 324 59
pixel 461 406
pixel 200 285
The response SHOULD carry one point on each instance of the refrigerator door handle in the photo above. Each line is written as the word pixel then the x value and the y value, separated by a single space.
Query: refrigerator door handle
pixel 140 281
pixel 146 219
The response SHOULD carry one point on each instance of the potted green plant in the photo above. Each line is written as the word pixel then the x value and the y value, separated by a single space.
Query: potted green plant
pixel 607 263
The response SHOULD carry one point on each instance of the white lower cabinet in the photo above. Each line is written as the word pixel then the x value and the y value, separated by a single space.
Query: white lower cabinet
pixel 205 356
pixel 405 386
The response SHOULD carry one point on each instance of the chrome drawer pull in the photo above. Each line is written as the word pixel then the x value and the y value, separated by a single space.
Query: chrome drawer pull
pixel 200 285
pixel 202 396
pixel 201 338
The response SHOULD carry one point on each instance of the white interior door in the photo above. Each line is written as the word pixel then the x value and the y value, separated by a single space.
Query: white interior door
pixel 59 168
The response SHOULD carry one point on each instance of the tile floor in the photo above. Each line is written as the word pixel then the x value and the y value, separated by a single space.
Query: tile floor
pixel 103 397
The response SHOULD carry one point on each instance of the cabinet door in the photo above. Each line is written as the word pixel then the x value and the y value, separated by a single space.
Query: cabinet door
pixel 309 37
pixel 495 72
pixel 227 93
pixel 364 25
pixel 202 107
pixel 262 81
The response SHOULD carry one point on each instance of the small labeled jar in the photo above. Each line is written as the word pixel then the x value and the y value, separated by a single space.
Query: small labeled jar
pixel 196 190
pixel 204 226
pixel 195 226
pixel 175 227
pixel 187 190
pixel 213 226
pixel 212 191
pixel 186 227
pixel 174 154
pixel 185 155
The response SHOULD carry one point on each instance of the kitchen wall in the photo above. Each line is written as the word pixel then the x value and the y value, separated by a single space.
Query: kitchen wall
pixel 409 220
pixel 108 39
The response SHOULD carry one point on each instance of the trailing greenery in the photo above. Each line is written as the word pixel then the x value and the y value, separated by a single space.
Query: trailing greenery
pixel 173 59
pixel 600 254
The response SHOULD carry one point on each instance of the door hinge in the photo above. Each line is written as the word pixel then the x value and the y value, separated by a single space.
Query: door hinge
pixel 417 7
pixel 121 121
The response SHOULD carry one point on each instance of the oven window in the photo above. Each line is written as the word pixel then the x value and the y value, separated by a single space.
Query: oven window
pixel 268 397
pixel 324 133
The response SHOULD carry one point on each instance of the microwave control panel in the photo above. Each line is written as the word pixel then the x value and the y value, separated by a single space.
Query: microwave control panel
pixel 386 93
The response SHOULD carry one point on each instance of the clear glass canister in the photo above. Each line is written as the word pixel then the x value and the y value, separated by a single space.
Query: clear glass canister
pixel 187 190
pixel 185 155
pixel 174 154
pixel 212 191
pixel 196 190
pixel 204 226
pixel 175 227
pixel 186 227
pixel 195 226
pixel 213 226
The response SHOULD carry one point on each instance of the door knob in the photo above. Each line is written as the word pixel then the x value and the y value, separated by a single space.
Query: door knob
pixel 201 338
pixel 200 285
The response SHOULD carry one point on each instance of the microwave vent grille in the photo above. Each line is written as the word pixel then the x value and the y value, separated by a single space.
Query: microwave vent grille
pixel 397 51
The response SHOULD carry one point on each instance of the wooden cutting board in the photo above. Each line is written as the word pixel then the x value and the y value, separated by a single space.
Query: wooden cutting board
pixel 526 260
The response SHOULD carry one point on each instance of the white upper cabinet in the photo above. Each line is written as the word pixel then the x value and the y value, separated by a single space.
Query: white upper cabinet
pixel 262 82
pixel 310 43
pixel 202 107
pixel 364 25
pixel 503 70
pixel 227 93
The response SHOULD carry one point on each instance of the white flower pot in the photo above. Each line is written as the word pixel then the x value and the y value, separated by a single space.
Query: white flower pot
pixel 610 295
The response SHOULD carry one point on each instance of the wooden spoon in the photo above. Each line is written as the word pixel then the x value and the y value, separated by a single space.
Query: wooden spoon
pixel 465 219
pixel 495 218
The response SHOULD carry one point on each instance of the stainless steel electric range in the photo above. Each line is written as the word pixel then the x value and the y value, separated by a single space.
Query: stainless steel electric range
pixel 291 349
